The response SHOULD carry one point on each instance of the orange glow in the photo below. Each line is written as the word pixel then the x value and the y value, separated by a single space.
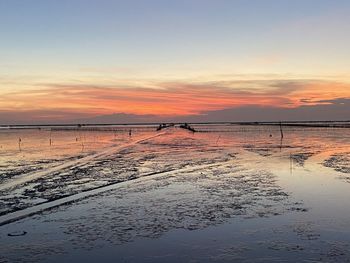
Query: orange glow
pixel 173 98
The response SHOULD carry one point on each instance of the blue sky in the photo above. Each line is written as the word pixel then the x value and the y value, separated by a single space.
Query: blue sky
pixel 135 34
pixel 144 43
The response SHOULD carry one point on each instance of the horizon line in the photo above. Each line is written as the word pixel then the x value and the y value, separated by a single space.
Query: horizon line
pixel 176 123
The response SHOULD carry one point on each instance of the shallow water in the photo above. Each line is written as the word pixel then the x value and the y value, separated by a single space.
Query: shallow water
pixel 223 194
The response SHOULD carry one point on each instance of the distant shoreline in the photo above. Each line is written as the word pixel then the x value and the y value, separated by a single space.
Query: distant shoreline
pixel 330 124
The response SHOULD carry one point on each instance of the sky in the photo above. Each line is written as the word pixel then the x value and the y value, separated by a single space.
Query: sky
pixel 68 60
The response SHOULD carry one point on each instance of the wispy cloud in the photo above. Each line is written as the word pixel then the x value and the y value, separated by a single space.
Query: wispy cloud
pixel 169 98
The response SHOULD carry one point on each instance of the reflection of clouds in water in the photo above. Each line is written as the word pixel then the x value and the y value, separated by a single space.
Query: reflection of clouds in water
pixel 175 150
pixel 171 152
pixel 189 200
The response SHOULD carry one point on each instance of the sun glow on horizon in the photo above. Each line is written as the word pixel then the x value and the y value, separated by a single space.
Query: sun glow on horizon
pixel 174 98
pixel 169 58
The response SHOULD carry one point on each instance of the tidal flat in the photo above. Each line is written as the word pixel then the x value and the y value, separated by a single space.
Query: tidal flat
pixel 226 193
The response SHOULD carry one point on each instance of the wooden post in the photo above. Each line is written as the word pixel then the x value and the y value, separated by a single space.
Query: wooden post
pixel 281 130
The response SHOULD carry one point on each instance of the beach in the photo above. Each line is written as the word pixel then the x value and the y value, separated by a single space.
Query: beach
pixel 225 193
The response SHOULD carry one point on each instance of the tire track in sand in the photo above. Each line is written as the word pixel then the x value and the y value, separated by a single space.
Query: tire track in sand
pixel 15 216
pixel 74 163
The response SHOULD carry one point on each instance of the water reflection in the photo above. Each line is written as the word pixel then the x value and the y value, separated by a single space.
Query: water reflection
pixel 180 180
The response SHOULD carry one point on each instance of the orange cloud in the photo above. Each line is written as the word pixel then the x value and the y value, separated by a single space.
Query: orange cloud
pixel 171 98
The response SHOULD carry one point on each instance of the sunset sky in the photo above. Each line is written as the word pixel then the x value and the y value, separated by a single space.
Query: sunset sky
pixel 68 60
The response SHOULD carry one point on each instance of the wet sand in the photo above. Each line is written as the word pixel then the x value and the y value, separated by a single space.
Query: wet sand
pixel 230 194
